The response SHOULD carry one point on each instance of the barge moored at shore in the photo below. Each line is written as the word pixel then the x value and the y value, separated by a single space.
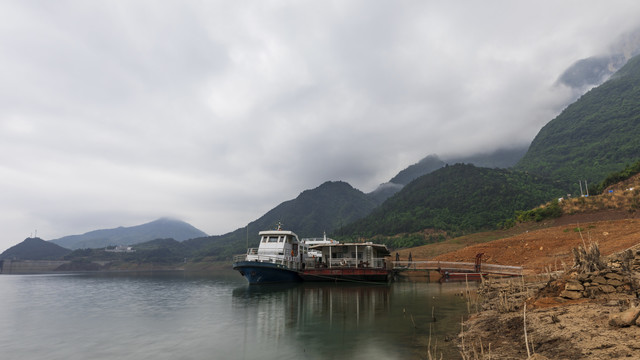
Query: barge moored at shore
pixel 359 262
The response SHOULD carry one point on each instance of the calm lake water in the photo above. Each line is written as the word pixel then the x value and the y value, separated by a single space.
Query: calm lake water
pixel 189 316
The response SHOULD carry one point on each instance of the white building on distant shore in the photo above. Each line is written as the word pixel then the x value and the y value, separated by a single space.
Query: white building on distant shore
pixel 120 248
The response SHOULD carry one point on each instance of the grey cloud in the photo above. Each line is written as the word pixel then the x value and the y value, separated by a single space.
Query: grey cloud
pixel 116 113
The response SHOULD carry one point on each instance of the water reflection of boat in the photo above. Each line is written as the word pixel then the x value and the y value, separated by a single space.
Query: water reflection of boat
pixel 266 290
pixel 362 262
pixel 327 320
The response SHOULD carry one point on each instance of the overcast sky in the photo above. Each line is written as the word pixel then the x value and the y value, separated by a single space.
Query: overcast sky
pixel 115 113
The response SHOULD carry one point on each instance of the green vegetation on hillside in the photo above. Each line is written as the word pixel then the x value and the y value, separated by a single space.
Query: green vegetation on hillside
pixel 620 199
pixel 409 240
pixel 548 211
pixel 593 137
pixel 456 199
pixel 616 177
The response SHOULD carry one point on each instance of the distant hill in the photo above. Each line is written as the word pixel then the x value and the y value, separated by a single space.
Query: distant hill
pixel 158 229
pixel 500 158
pixel 425 166
pixel 594 70
pixel 35 249
pixel 595 136
pixel 456 198
pixel 325 208
pixel 591 71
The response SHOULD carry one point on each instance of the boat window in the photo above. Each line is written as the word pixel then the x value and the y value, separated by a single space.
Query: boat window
pixel 264 239
pixel 280 239
pixel 273 239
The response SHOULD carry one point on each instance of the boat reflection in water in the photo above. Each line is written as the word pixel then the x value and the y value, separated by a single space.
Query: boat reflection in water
pixel 343 320
pixel 353 305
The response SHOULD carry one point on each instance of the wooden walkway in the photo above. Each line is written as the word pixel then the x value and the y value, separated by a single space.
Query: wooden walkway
pixel 457 267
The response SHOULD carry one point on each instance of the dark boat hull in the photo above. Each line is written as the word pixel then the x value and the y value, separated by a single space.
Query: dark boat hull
pixel 265 273
pixel 346 274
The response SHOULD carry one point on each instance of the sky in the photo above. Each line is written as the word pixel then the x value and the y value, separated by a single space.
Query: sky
pixel 116 113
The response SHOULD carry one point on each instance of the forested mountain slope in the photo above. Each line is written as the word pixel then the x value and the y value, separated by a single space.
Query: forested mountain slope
pixel 596 135
pixel 500 158
pixel 325 208
pixel 456 198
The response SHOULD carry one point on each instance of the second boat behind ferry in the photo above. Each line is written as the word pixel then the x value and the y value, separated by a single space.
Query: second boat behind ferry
pixel 354 262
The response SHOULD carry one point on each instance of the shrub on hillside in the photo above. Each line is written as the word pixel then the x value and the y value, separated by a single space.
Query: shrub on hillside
pixel 548 211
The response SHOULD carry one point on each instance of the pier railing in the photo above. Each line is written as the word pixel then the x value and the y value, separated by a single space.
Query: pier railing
pixel 448 266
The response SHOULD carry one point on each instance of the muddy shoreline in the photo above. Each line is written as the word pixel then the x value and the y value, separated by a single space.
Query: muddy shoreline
pixel 563 318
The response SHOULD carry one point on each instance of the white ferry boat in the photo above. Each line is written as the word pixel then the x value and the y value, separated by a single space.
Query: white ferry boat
pixel 278 258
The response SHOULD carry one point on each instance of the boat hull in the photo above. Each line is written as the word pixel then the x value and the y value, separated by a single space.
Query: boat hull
pixel 266 273
pixel 346 274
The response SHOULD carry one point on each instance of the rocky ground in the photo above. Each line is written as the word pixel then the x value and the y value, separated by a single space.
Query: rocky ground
pixel 579 315
pixel 589 311
pixel 570 330
pixel 571 313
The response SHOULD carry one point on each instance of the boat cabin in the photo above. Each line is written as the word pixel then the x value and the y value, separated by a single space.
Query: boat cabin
pixel 350 255
pixel 277 246
pixel 313 253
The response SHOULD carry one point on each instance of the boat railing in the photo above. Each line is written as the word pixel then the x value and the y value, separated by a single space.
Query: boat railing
pixel 375 263
pixel 290 262
pixel 318 240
